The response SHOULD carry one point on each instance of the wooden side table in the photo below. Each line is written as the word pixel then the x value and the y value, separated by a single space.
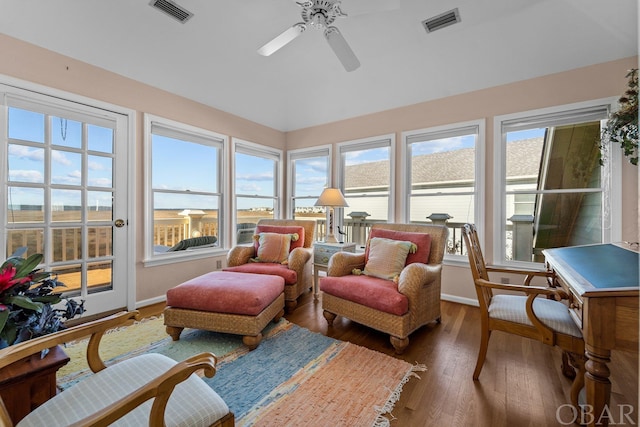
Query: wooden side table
pixel 322 251
pixel 28 383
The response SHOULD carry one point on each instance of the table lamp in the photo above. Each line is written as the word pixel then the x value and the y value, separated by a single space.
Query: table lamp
pixel 331 198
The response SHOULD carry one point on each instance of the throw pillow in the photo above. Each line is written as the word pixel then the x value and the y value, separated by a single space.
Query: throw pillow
pixel 387 257
pixel 422 241
pixel 274 247
pixel 281 229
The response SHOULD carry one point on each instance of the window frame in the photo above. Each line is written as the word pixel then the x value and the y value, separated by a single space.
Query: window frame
pixel 299 154
pixel 388 140
pixel 610 176
pixel 257 150
pixel 439 132
pixel 202 136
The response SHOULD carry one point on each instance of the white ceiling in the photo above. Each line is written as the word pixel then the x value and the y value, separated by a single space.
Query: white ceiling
pixel 212 57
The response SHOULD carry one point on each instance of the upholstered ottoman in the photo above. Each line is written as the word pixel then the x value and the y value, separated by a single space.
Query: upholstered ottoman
pixel 221 301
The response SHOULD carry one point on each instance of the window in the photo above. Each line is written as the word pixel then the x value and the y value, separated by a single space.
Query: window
pixel 552 190
pixel 185 189
pixel 365 176
pixel 309 172
pixel 256 186
pixel 443 180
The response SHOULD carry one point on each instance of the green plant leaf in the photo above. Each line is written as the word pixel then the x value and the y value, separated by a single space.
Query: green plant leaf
pixel 4 315
pixel 24 302
pixel 28 265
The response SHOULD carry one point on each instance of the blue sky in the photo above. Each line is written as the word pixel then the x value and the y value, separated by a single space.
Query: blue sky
pixel 26 163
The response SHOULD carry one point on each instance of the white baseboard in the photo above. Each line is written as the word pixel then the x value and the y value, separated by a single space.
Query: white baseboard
pixel 460 300
pixel 155 300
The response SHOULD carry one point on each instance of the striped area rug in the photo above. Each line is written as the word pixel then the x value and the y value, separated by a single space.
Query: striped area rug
pixel 295 377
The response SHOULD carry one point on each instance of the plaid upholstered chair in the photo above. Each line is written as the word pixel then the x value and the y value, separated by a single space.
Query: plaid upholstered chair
pixel 394 287
pixel 295 265
pixel 145 390
pixel 533 312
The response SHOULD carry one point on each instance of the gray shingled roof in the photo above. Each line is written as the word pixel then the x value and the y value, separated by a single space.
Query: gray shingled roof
pixel 523 159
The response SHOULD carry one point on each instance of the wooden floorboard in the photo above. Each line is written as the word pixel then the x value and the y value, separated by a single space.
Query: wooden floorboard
pixel 521 383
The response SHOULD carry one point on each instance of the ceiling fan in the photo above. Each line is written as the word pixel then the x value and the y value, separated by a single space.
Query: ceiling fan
pixel 319 14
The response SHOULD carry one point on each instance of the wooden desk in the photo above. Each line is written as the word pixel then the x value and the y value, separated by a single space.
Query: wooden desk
pixel 603 284
pixel 28 383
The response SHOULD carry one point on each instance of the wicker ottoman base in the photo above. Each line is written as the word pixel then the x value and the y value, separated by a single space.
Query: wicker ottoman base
pixel 249 326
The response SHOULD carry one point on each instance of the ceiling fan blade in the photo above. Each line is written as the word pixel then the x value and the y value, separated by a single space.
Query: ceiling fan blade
pixel 284 38
pixel 341 49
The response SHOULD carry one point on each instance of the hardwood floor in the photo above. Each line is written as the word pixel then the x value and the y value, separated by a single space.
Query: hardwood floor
pixel 521 383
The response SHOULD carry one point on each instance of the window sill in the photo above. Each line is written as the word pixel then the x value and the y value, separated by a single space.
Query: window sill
pixel 182 256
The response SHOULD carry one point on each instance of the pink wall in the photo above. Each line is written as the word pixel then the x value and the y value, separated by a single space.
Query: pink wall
pixel 37 65
pixel 34 64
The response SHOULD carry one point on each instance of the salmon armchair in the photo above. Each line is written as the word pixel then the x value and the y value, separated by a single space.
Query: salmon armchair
pixel 145 390
pixel 396 307
pixel 296 269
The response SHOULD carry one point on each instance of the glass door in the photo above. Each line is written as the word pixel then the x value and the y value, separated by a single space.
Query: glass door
pixel 65 194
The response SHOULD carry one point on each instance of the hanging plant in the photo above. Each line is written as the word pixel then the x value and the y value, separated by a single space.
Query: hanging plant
pixel 622 126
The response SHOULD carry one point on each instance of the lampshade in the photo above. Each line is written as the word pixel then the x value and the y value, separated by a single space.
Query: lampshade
pixel 332 197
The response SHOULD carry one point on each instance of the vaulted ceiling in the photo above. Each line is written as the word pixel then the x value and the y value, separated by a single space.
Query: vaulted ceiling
pixel 212 59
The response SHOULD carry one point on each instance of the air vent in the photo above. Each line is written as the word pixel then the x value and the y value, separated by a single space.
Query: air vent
pixel 443 20
pixel 172 9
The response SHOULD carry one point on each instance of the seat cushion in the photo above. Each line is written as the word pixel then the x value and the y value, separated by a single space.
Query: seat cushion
pixel 290 276
pixel 553 314
pixel 422 241
pixel 226 292
pixel 192 403
pixel 379 294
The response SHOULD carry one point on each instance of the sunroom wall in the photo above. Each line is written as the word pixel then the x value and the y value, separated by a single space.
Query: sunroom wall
pixel 583 84
pixel 37 65
pixel 34 64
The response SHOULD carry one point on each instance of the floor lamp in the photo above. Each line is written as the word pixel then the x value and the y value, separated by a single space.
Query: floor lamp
pixel 331 198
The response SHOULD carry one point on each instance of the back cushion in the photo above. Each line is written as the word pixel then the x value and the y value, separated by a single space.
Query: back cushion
pixel 422 241
pixel 281 229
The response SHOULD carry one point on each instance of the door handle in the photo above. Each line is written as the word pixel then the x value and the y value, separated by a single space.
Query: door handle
pixel 119 223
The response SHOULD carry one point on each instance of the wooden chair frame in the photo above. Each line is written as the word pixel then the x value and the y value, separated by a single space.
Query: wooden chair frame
pixel 573 347
pixel 160 388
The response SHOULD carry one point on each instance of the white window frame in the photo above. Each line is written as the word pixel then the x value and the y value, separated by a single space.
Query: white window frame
pixel 611 175
pixel 257 150
pixel 198 135
pixel 388 140
pixel 299 154
pixel 440 132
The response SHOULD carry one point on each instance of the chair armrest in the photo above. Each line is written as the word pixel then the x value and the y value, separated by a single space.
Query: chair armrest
pixel 298 258
pixel 95 328
pixel 342 263
pixel 416 276
pixel 160 389
pixel 529 274
pixel 240 255
pixel 555 293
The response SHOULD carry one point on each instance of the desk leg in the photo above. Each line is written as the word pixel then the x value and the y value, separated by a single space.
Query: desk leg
pixel 598 386
pixel 315 283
